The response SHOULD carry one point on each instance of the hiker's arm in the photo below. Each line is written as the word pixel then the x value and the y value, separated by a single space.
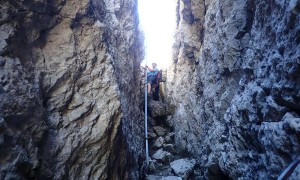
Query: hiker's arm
pixel 150 69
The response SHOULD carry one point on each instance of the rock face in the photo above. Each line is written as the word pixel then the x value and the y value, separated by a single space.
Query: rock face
pixel 68 94
pixel 235 83
pixel 296 174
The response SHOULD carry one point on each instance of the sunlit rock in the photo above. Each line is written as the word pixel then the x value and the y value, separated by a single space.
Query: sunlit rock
pixel 162 156
pixel 67 70
pixel 183 167
pixel 159 142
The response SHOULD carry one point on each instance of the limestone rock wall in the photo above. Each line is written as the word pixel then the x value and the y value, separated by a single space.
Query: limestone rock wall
pixel 68 105
pixel 235 83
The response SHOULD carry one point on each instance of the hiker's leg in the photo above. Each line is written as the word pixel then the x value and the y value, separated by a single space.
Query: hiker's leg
pixel 149 88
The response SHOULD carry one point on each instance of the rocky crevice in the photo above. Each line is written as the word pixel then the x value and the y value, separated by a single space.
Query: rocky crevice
pixel 166 162
pixel 70 102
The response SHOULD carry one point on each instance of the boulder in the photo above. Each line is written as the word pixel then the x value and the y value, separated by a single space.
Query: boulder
pixel 162 156
pixel 159 142
pixel 157 108
pixel 159 130
pixel 183 167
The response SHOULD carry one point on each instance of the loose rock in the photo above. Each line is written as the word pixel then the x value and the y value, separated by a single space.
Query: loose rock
pixel 162 156
pixel 169 137
pixel 152 135
pixel 183 167
pixel 169 147
pixel 159 130
pixel 159 109
pixel 159 142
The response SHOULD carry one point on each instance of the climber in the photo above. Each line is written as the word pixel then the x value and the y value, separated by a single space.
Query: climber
pixel 151 77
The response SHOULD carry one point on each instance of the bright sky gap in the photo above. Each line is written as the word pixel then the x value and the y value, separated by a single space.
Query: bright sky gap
pixel 158 20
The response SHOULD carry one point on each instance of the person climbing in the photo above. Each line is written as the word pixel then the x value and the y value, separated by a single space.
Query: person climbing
pixel 151 77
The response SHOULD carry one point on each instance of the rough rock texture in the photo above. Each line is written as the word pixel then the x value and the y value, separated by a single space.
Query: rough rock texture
pixel 159 109
pixel 183 167
pixel 68 97
pixel 159 130
pixel 296 174
pixel 235 83
pixel 169 148
pixel 162 156
pixel 159 142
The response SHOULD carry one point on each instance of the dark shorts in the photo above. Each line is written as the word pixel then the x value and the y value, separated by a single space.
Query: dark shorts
pixel 151 79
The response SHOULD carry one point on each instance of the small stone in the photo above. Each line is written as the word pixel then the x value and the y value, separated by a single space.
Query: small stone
pixel 162 156
pixel 153 177
pixel 159 130
pixel 183 167
pixel 151 167
pixel 169 137
pixel 169 147
pixel 152 135
pixel 159 142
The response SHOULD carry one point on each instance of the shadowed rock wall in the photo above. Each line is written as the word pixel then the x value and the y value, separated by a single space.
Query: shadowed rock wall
pixel 69 108
pixel 235 83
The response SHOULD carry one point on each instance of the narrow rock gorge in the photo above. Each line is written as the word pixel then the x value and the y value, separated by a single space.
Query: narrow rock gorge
pixel 71 102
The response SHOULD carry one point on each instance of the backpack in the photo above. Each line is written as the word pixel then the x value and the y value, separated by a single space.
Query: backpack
pixel 155 87
pixel 159 75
